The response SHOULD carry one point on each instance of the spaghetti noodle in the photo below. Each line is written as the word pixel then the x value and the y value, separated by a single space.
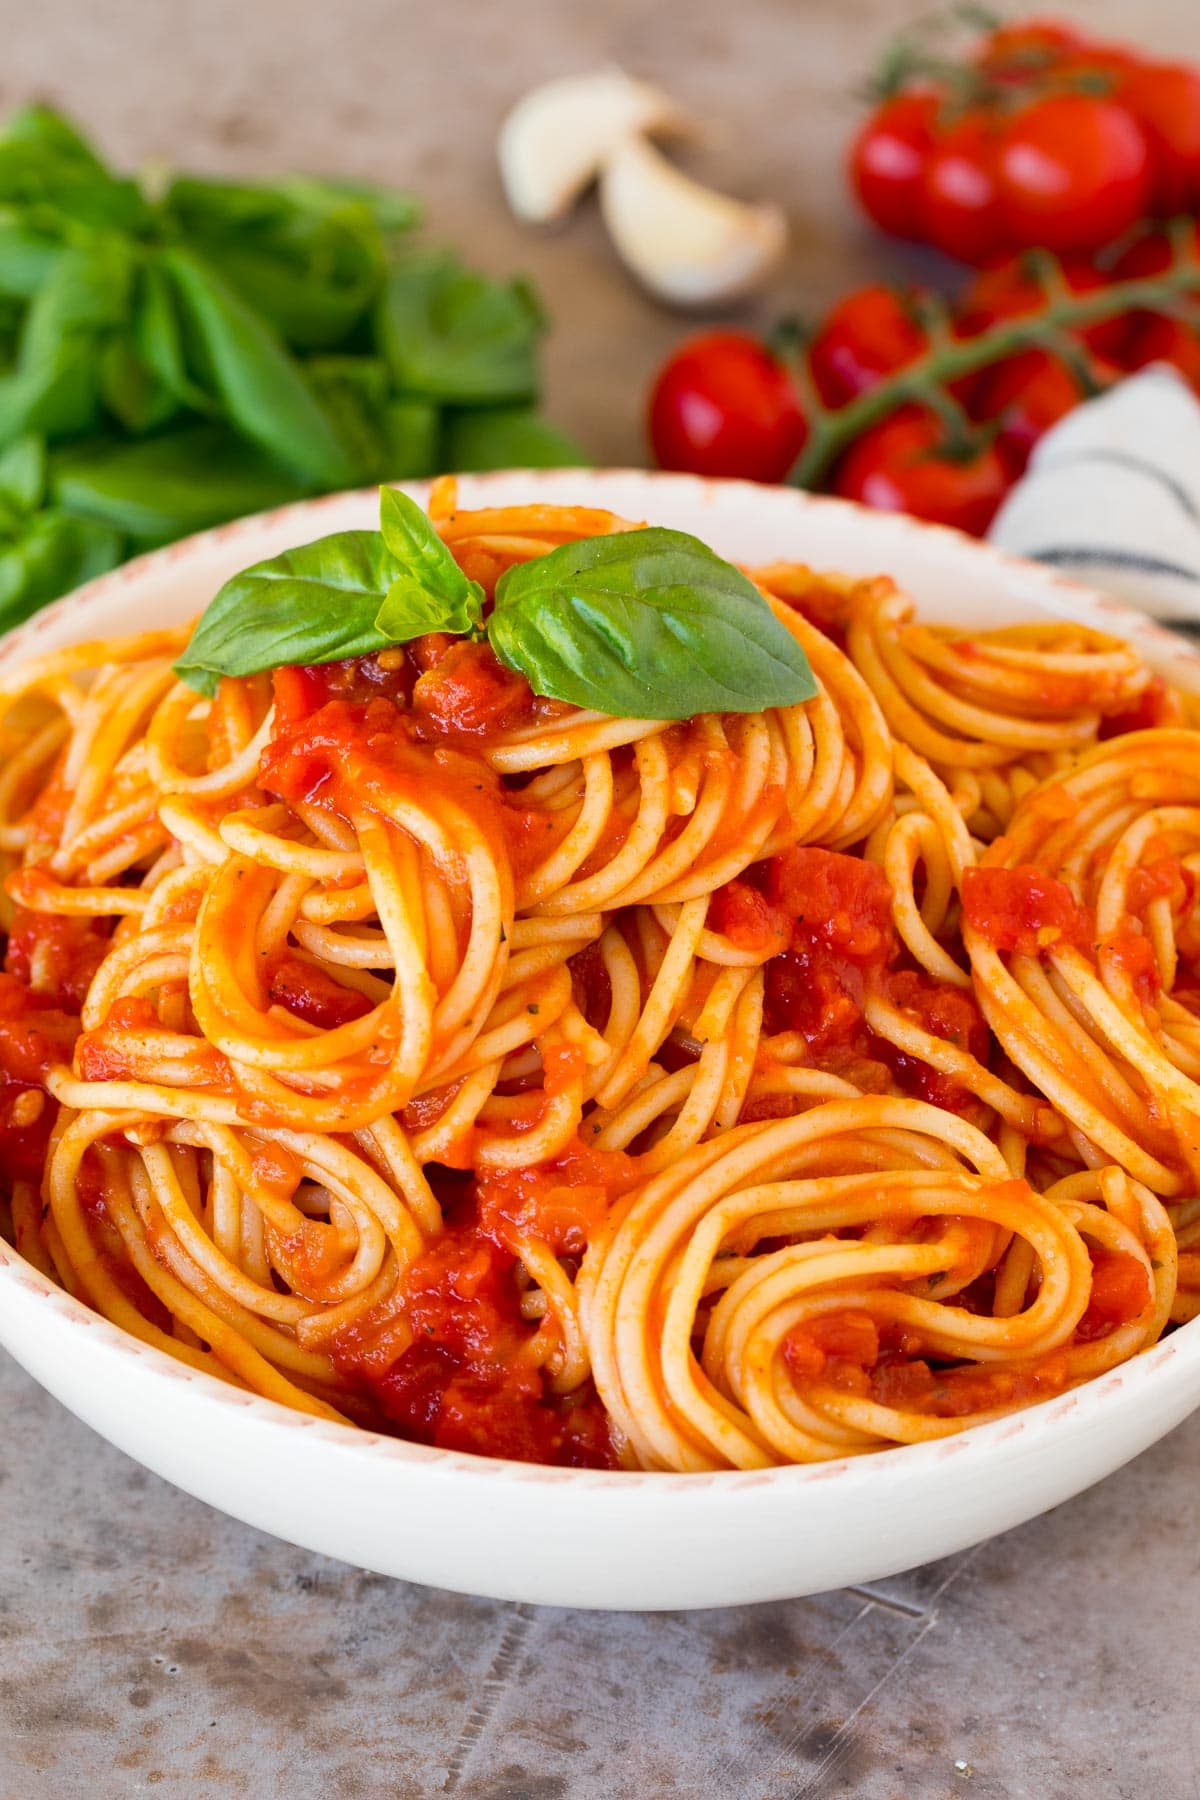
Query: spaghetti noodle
pixel 754 1088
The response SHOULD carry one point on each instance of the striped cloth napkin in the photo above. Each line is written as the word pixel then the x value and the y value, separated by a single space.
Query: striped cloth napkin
pixel 1112 495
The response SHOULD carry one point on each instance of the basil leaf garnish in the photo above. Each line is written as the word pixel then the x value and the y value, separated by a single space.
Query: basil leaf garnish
pixel 430 592
pixel 646 624
pixel 314 604
pixel 345 595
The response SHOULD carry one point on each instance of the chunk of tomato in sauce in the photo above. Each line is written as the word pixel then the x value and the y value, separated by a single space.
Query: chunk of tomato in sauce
pixel 60 953
pixel 562 1204
pixel 1024 910
pixel 1155 705
pixel 747 918
pixel 311 993
pixel 468 693
pixel 301 690
pixel 839 932
pixel 467 1380
pixel 34 1035
pixel 945 1012
pixel 1120 1292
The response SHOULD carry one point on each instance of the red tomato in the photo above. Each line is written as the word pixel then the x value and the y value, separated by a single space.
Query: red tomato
pixel 1010 291
pixel 959 194
pixel 723 405
pixel 902 465
pixel 1155 338
pixel 1151 253
pixel 1073 172
pixel 1029 44
pixel 1027 394
pixel 887 161
pixel 866 336
pixel 1165 100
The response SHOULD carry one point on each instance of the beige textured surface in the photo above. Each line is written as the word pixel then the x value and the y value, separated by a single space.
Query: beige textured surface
pixel 148 1645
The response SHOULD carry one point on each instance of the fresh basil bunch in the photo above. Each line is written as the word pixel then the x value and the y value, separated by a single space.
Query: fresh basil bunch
pixel 174 359
pixel 642 624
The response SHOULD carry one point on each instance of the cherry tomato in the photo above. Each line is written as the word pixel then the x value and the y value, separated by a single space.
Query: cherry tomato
pixel 723 405
pixel 1165 100
pixel 1155 338
pixel 1027 394
pixel 902 465
pixel 1029 44
pixel 1073 172
pixel 887 161
pixel 865 337
pixel 1151 253
pixel 959 192
pixel 1010 290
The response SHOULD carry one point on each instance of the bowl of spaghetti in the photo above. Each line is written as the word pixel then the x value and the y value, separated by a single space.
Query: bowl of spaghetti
pixel 588 1154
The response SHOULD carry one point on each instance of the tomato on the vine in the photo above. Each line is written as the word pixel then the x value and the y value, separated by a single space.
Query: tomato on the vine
pixel 1039 136
pixel 1072 171
pixel 907 464
pixel 1026 395
pixel 1027 44
pixel 1012 290
pixel 723 405
pixel 1153 338
pixel 865 336
pixel 888 158
pixel 959 194
pixel 1165 99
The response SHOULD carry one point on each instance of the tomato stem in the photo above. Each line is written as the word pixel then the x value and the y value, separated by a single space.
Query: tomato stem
pixel 947 359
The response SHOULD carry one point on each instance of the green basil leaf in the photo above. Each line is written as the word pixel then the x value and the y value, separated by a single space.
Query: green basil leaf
pixel 158 337
pixel 450 334
pixel 390 210
pixel 410 430
pixel 314 604
pixel 23 473
pixel 52 555
pixel 507 437
pixel 130 389
pixel 167 486
pixel 649 624
pixel 27 257
pixel 430 591
pixel 310 261
pixel 45 164
pixel 258 384
pixel 53 386
pixel 389 439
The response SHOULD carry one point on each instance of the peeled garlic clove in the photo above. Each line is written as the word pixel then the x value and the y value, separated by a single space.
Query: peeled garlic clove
pixel 556 139
pixel 688 245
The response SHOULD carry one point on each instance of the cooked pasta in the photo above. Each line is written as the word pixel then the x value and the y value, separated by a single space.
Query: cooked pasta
pixel 749 1088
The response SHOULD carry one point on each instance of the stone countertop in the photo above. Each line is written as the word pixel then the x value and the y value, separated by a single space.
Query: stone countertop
pixel 149 1645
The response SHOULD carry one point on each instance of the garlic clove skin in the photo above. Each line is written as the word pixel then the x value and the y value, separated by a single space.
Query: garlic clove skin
pixel 557 138
pixel 688 244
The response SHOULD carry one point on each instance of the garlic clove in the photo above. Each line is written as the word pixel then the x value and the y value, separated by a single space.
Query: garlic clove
pixel 556 139
pixel 686 243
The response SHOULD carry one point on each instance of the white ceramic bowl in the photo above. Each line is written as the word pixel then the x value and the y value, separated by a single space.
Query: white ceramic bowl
pixel 565 1536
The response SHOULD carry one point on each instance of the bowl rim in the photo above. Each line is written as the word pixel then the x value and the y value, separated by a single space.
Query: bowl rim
pixel 1062 593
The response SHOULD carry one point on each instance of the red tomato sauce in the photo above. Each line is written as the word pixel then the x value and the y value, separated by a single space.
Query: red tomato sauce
pixel 464 1378
pixel 446 689
pixel 1155 705
pixel 1120 1292
pixel 1025 910
pixel 832 915
pixel 849 1351
pixel 34 1035
pixel 69 949
pixel 311 993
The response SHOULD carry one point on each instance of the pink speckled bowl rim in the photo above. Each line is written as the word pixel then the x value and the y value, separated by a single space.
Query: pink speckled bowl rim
pixel 1062 594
